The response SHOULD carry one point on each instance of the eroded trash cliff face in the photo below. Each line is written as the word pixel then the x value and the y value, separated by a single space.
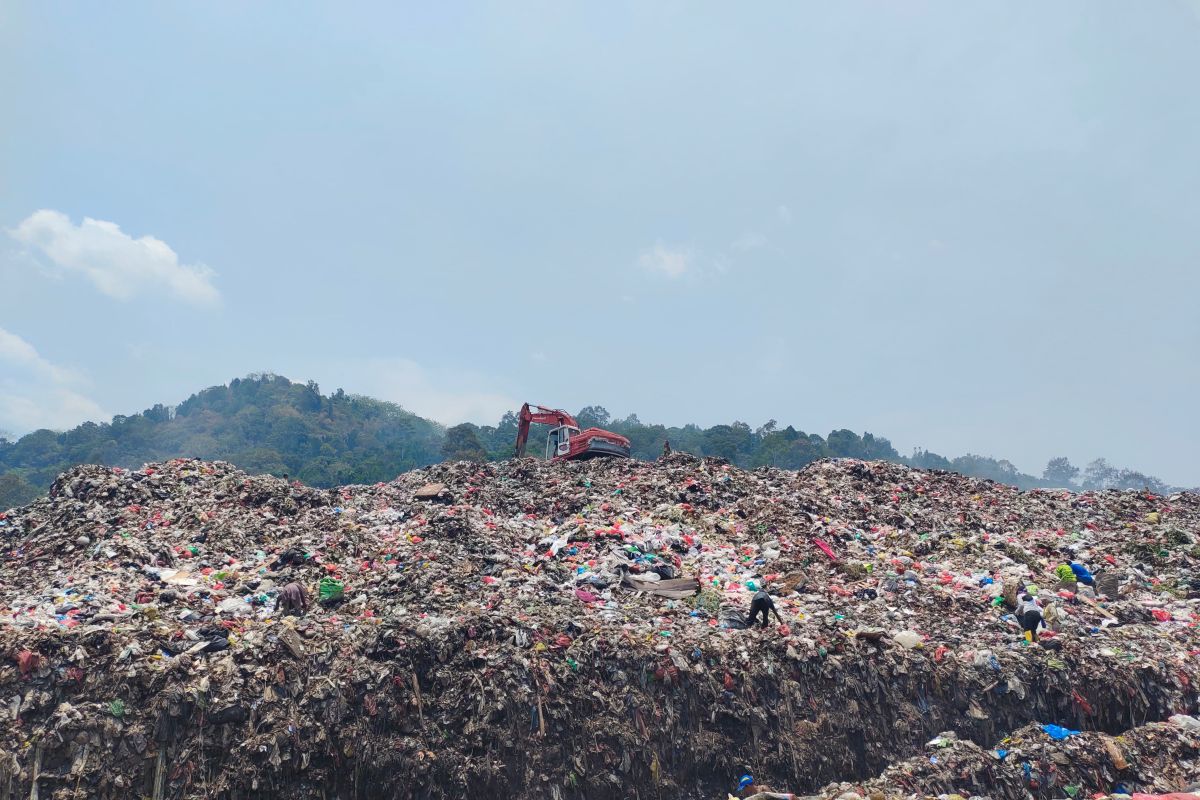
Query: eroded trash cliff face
pixel 1043 761
pixel 576 630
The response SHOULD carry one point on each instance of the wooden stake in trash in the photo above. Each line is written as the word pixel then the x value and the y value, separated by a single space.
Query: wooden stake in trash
pixel 37 772
pixel 1087 601
pixel 78 767
pixel 160 774
pixel 417 693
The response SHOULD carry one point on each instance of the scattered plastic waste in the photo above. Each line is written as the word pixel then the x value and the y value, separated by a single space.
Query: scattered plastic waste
pixel 556 631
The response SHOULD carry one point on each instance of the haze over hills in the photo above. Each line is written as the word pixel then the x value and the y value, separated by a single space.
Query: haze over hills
pixel 270 424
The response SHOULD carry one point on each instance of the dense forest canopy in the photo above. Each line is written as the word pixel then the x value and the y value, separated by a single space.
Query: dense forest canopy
pixel 267 423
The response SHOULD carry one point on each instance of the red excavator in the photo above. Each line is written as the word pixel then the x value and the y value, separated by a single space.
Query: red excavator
pixel 565 441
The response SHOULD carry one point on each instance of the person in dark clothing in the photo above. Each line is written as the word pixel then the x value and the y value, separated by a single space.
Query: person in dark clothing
pixel 1029 612
pixel 293 600
pixel 762 603
pixel 666 448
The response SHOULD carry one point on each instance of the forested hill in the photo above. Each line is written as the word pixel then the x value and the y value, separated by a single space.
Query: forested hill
pixel 266 423
pixel 261 424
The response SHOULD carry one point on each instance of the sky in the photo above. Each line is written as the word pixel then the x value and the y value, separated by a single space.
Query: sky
pixel 968 227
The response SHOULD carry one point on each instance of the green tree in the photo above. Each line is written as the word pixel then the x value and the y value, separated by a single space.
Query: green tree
pixel 729 442
pixel 925 459
pixel 461 444
pixel 787 449
pixel 878 448
pixel 593 417
pixel 16 491
pixel 1099 475
pixel 1132 479
pixel 989 468
pixel 1060 472
pixel 844 444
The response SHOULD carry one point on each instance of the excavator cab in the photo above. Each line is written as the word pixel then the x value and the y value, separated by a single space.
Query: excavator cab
pixel 558 441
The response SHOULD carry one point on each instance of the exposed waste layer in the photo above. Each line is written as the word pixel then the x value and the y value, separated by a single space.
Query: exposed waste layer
pixel 1044 761
pixel 527 629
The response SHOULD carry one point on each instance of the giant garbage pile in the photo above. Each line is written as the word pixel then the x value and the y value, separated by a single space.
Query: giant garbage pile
pixel 577 630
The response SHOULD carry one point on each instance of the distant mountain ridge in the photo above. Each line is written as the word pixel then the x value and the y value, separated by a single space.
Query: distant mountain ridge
pixel 268 424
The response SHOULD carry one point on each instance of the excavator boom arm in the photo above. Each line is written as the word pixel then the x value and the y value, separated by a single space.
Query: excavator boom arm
pixel 542 415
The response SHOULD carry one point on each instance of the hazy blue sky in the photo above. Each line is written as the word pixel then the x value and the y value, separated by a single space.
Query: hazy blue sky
pixel 971 227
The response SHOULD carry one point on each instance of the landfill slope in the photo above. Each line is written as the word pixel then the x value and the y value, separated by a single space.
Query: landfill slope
pixel 1160 757
pixel 489 639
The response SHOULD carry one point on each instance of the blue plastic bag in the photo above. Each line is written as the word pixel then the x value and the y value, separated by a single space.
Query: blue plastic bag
pixel 1058 733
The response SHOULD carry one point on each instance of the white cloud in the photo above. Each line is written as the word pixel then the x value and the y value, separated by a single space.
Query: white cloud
pixel 750 241
pixel 116 263
pixel 57 408
pixel 785 215
pixel 36 393
pixel 672 262
pixel 20 353
pixel 447 396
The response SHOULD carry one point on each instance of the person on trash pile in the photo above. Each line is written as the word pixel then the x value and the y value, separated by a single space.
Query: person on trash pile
pixel 1065 574
pixel 1082 573
pixel 762 603
pixel 1029 612
pixel 666 447
pixel 293 600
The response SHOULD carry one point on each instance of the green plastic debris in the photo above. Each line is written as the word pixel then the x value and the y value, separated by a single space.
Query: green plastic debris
pixel 117 708
pixel 331 589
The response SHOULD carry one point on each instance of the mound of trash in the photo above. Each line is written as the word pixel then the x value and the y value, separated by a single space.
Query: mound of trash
pixel 1043 761
pixel 578 630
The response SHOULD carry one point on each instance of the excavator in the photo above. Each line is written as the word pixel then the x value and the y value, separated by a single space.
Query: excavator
pixel 566 442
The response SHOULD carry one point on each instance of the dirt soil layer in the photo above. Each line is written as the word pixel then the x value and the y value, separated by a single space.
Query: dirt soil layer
pixel 578 630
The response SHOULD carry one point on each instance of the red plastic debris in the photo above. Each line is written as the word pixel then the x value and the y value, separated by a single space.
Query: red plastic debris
pixel 27 661
pixel 825 548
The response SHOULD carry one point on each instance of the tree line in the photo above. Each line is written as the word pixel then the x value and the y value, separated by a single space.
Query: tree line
pixel 268 424
pixel 788 448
